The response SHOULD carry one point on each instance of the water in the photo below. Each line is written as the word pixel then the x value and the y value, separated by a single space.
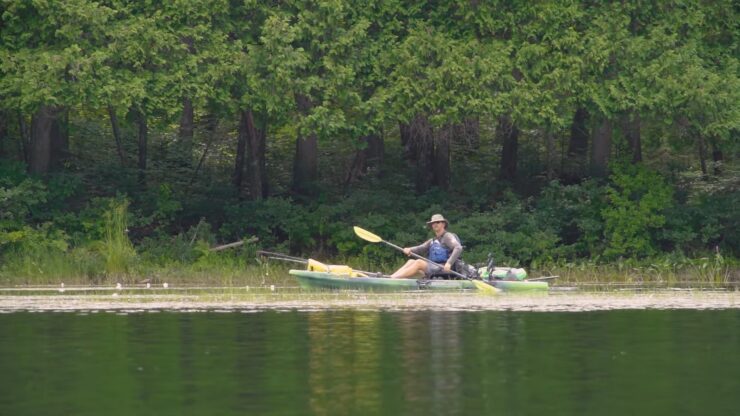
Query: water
pixel 651 362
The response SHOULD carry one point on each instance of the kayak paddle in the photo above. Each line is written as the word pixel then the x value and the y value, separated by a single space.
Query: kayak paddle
pixel 335 269
pixel 482 286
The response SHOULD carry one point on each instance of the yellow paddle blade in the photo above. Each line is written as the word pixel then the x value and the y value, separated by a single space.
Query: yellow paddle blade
pixel 485 289
pixel 367 235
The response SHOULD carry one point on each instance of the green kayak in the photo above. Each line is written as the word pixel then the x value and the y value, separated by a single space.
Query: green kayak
pixel 313 280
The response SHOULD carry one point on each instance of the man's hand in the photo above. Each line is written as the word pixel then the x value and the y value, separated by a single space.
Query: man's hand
pixel 448 267
pixel 407 251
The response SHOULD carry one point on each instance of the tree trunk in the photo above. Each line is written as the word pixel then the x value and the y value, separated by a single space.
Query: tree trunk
pixel 116 133
pixel 184 149
pixel 25 142
pixel 375 151
pixel 241 146
pixel 211 125
pixel 357 168
pixel 59 141
pixel 717 156
pixel 508 135
pixel 420 151
pixel 143 133
pixel 404 130
pixel 469 132
pixel 305 163
pixel 575 164
pixel 631 128
pixel 473 128
pixel 262 132
pixel 255 159
pixel 371 156
pixel 441 158
pixel 550 145
pixel 185 146
pixel 3 134
pixel 702 153
pixel 39 157
pixel 601 150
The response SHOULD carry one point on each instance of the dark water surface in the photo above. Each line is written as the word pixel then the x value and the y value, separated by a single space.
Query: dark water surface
pixel 371 363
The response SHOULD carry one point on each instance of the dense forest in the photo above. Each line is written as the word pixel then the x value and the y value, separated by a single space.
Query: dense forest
pixel 556 132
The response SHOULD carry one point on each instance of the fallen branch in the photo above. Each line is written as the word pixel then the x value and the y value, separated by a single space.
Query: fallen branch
pixel 235 244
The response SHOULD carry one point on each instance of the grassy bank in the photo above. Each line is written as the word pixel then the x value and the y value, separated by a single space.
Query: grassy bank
pixel 242 267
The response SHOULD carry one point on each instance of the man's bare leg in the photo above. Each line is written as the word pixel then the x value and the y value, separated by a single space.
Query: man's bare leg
pixel 409 269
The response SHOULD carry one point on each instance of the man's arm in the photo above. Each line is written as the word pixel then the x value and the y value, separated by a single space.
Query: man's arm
pixel 450 241
pixel 421 249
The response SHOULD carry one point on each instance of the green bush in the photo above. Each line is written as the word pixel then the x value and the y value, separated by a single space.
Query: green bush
pixel 636 202
pixel 510 232
pixel 277 222
pixel 574 213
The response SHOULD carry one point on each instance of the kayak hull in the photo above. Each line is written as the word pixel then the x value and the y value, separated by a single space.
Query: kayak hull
pixel 520 285
pixel 312 280
pixel 321 280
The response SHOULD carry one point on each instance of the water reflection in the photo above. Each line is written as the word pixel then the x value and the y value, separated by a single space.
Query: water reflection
pixel 373 363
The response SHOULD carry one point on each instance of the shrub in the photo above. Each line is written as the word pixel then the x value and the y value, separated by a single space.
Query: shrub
pixel 636 201
pixel 510 232
pixel 574 213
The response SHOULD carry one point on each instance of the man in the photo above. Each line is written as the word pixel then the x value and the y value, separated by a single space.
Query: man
pixel 443 250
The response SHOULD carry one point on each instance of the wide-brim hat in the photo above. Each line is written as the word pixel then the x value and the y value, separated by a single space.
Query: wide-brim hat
pixel 438 218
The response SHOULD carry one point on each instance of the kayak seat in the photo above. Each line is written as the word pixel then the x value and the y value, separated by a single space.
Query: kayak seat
pixel 444 276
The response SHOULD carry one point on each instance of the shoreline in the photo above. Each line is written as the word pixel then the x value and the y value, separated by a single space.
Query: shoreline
pixel 245 301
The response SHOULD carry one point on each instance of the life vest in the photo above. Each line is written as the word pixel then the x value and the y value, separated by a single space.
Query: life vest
pixel 438 252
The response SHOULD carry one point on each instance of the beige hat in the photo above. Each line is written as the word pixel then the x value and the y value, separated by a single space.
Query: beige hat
pixel 437 218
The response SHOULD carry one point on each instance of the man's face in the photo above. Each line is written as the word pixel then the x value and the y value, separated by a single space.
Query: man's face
pixel 438 226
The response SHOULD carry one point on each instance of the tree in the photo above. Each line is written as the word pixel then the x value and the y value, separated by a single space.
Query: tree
pixel 46 64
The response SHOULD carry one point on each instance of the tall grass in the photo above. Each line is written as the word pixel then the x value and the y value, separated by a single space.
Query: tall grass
pixel 667 270
pixel 118 251
pixel 41 265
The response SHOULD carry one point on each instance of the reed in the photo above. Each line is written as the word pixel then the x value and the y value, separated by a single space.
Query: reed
pixel 118 251
pixel 669 270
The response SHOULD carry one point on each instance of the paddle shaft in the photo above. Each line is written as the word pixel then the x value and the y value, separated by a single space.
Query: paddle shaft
pixel 414 255
pixel 535 279
pixel 279 255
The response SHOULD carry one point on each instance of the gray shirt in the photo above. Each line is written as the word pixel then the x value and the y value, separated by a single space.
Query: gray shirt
pixel 449 240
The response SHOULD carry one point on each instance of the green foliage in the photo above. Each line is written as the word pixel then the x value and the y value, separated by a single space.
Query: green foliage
pixel 161 205
pixel 361 69
pixel 510 232
pixel 574 211
pixel 636 200
pixel 17 202
pixel 183 248
pixel 277 222
pixel 706 216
